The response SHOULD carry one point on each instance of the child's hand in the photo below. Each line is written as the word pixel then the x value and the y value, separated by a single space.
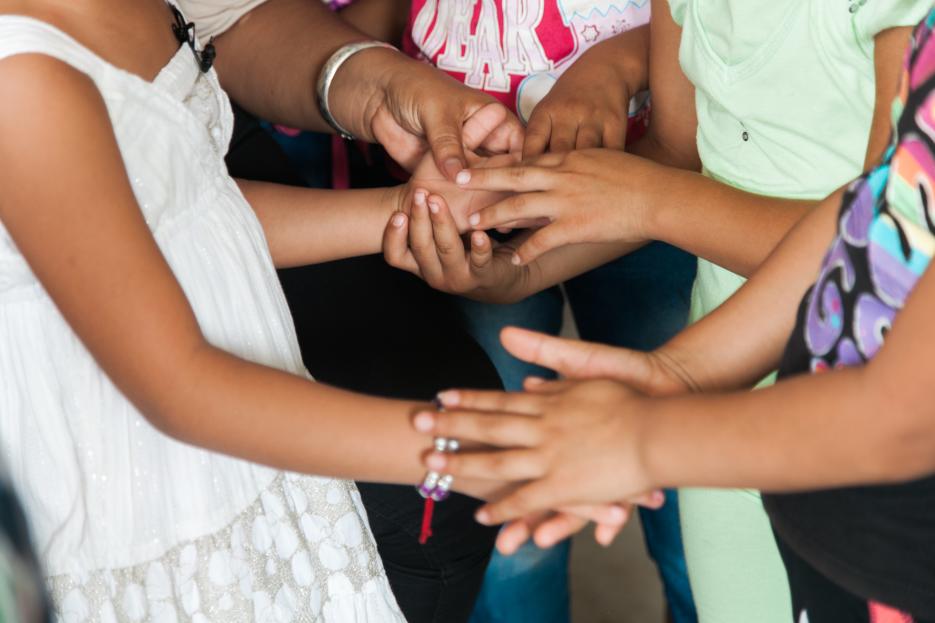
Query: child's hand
pixel 573 442
pixel 427 243
pixel 461 203
pixel 548 528
pixel 594 195
pixel 588 106
pixel 662 372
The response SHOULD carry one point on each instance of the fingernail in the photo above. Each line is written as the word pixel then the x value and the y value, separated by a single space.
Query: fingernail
pixel 433 207
pixel 659 498
pixel 398 219
pixel 618 514
pixel 452 166
pixel 482 517
pixel 515 260
pixel 533 381
pixel 424 422
pixel 436 461
pixel 419 197
pixel 449 398
pixel 474 219
pixel 463 177
pixel 477 239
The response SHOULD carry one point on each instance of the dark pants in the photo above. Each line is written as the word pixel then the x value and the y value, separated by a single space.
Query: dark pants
pixel 367 327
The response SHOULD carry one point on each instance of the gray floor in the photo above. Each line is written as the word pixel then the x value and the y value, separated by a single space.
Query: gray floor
pixel 618 584
pixel 615 585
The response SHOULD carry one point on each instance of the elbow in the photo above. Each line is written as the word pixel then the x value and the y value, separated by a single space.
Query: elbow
pixel 905 445
pixel 910 453
pixel 170 401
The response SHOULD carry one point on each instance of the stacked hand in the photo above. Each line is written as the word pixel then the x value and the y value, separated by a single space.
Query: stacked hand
pixel 412 108
pixel 567 444
pixel 580 193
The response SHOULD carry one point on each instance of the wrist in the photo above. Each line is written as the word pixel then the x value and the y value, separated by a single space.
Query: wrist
pixel 358 89
pixel 395 199
pixel 658 210
pixel 655 462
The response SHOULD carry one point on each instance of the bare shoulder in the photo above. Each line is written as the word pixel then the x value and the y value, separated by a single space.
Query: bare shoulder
pixel 43 94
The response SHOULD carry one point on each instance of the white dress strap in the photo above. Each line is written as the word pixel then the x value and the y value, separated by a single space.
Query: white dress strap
pixel 26 35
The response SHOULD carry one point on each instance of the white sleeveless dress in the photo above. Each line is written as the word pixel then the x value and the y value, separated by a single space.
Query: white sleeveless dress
pixel 130 524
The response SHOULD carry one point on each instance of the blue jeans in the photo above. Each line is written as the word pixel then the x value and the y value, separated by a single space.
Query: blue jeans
pixel 638 301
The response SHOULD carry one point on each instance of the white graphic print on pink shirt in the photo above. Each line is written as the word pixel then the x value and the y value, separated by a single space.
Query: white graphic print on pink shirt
pixel 514 49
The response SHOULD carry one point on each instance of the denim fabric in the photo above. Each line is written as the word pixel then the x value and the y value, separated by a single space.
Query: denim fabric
pixel 638 301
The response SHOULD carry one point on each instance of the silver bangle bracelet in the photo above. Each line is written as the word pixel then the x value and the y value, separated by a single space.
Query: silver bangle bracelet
pixel 327 74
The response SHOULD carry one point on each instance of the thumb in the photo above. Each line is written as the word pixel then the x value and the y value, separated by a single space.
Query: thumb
pixel 443 131
pixel 573 359
pixel 482 124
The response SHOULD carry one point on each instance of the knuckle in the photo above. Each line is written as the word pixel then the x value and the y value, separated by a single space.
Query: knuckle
pixel 518 174
pixel 444 247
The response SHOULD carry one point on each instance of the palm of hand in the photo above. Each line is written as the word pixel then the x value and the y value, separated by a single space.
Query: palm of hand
pixel 461 202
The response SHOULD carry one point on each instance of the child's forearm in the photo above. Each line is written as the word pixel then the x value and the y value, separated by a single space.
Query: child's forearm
pixel 742 340
pixel 263 415
pixel 829 430
pixel 729 227
pixel 308 226
pixel 246 410
pixel 564 263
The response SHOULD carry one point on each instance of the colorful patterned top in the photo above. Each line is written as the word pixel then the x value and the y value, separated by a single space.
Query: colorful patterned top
pixel 877 542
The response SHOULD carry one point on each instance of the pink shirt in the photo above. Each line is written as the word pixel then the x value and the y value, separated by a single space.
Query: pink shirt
pixel 515 50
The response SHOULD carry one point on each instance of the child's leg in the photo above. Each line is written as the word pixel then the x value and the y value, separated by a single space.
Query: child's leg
pixel 640 301
pixel 532 584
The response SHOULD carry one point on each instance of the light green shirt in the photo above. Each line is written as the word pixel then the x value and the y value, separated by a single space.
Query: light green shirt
pixel 784 92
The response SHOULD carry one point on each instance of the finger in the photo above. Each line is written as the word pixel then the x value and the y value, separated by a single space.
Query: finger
pixel 481 254
pixel 523 224
pixel 508 138
pixel 443 130
pixel 538 131
pixel 599 513
pixel 542 241
pixel 483 124
pixel 480 400
pixel 422 243
pixel 548 160
pixel 605 534
pixel 653 500
pixel 525 207
pixel 501 430
pixel 548 388
pixel 513 535
pixel 557 528
pixel 563 137
pixel 535 497
pixel 396 244
pixel 570 358
pixel 588 137
pixel 448 243
pixel 615 134
pixel 518 178
pixel 510 465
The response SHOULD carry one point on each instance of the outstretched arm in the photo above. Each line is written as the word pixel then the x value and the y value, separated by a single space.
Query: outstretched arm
pixel 808 432
pixel 77 223
pixel 582 194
